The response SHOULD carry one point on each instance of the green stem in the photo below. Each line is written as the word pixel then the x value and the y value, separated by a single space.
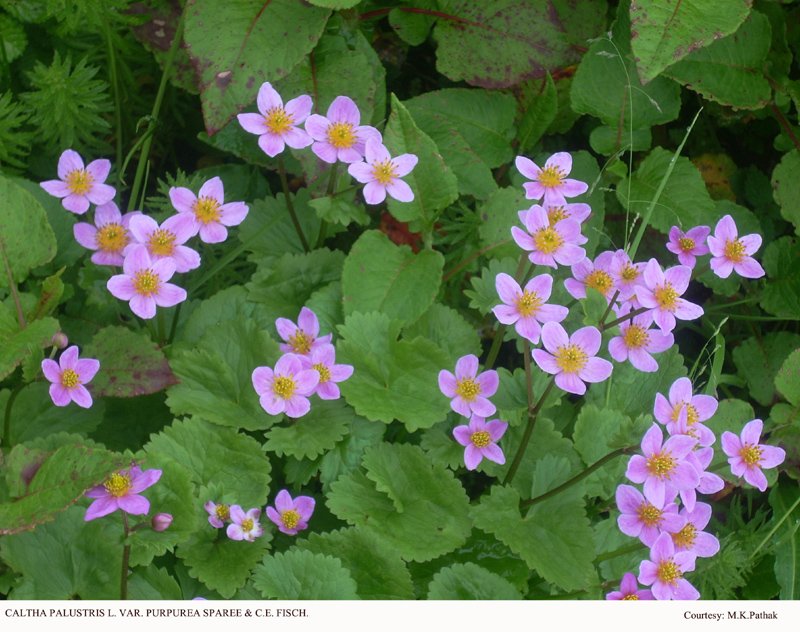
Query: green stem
pixel 526 437
pixel 622 319
pixel 162 330
pixel 290 206
pixel 501 330
pixel 174 326
pixel 112 68
pixel 632 548
pixel 608 309
pixel 126 557
pixel 151 328
pixel 7 419
pixel 162 88
pixel 12 285
pixel 775 528
pixel 575 479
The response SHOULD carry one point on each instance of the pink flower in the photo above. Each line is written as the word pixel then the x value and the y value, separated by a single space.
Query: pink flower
pixel 596 275
pixel 692 538
pixel 637 341
pixel 641 518
pixel 381 173
pixel 527 308
pixel 287 388
pixel 578 211
pixel 629 590
pixel 339 136
pixel 627 276
pixel 480 439
pixel 218 514
pixel 748 457
pixel 571 359
pixel 80 186
pixel 549 245
pixel 301 339
pixel 688 245
pixel 290 515
pixel 664 571
pixel 663 467
pixel 550 182
pixel 69 376
pixel 321 360
pixel 244 526
pixel 210 215
pixel 109 236
pixel 468 389
pixel 662 292
pixel 144 283
pixel 161 522
pixel 276 125
pixel 121 491
pixel 705 437
pixel 729 252
pixel 710 483
pixel 698 407
pixel 167 240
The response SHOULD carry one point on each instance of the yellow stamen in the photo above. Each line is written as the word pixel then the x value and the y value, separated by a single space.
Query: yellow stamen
pixel 284 386
pixel 685 537
pixel 691 413
pixel 571 359
pixel 301 342
pixel 751 455
pixel 324 372
pixel 551 177
pixel 481 439
pixel 118 484
pixel 223 512
pixel 468 389
pixel 70 378
pixel 206 210
pixel 290 518
pixel 668 572
pixel 247 525
pixel 384 172
pixel 278 121
pixel 649 514
pixel 686 244
pixel 661 465
pixel 79 181
pixel 162 243
pixel 631 597
pixel 528 304
pixel 146 282
pixel 734 251
pixel 112 238
pixel 600 281
pixel 629 273
pixel 635 337
pixel 341 135
pixel 666 296
pixel 556 213
pixel 547 240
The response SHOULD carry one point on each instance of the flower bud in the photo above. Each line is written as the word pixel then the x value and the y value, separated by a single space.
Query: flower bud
pixel 161 521
pixel 60 340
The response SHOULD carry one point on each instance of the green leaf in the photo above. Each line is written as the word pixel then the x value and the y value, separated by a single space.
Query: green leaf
pixel 539 114
pixel 346 456
pixel 224 305
pixel 730 70
pixel 130 364
pixel 594 429
pixel 63 478
pixel 555 538
pixel 760 359
pixel 65 559
pixel 483 118
pixel 662 34
pixel 448 329
pixel 786 188
pixel 216 376
pixel 375 565
pixel 336 5
pixel 339 211
pixel 684 202
pixel 236 50
pixel 391 379
pixel 303 575
pixel 498 214
pixel 498 43
pixel 314 433
pixel 413 28
pixel 610 140
pixel 15 343
pixel 787 380
pixel 470 581
pixel 49 297
pixel 787 553
pixel 26 238
pixel 218 455
pixel 484 296
pixel 782 264
pixel 268 230
pixel 153 583
pixel 434 186
pixel 378 275
pixel 327 304
pixel 16 142
pixel 416 505
pixel 440 445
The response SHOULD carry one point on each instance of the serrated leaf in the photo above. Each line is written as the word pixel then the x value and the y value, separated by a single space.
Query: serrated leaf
pixel 339 211
pixel 594 429
pixel 303 575
pixel 314 433
pixel 448 329
pixel 14 343
pixel 787 380
pixel 786 188
pixel 374 564
pixel 470 581
pixel 345 457
pixel 759 361
pixel 379 275
pixel 424 513
pixel 498 214
pixel 662 34
pixel 130 364
pixel 49 297
pixel 223 456
pixel 484 294
pixel 153 583
pixel 224 305
pixel 782 264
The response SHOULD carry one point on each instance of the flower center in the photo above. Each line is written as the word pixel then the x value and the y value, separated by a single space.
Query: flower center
pixel 649 514
pixel 146 282
pixel 290 518
pixel 284 387
pixel 600 281
pixel 691 413
pixel 751 455
pixel 528 304
pixel 666 296
pixel 481 439
pixel 685 538
pixel 468 389
pixel 629 273
pixel 206 210
pixel 324 372
pixel 247 525
pixel 162 243
pixel 118 484
pixel 631 597
pixel 635 337
pixel 384 172
pixel 341 135
pixel 571 359
pixel 556 213
pixel 547 240
pixel 223 512
pixel 79 181
pixel 686 244
pixel 301 342
pixel 111 238
pixel 70 379
pixel 278 121
pixel 734 251
pixel 661 465
pixel 551 177
pixel 668 572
